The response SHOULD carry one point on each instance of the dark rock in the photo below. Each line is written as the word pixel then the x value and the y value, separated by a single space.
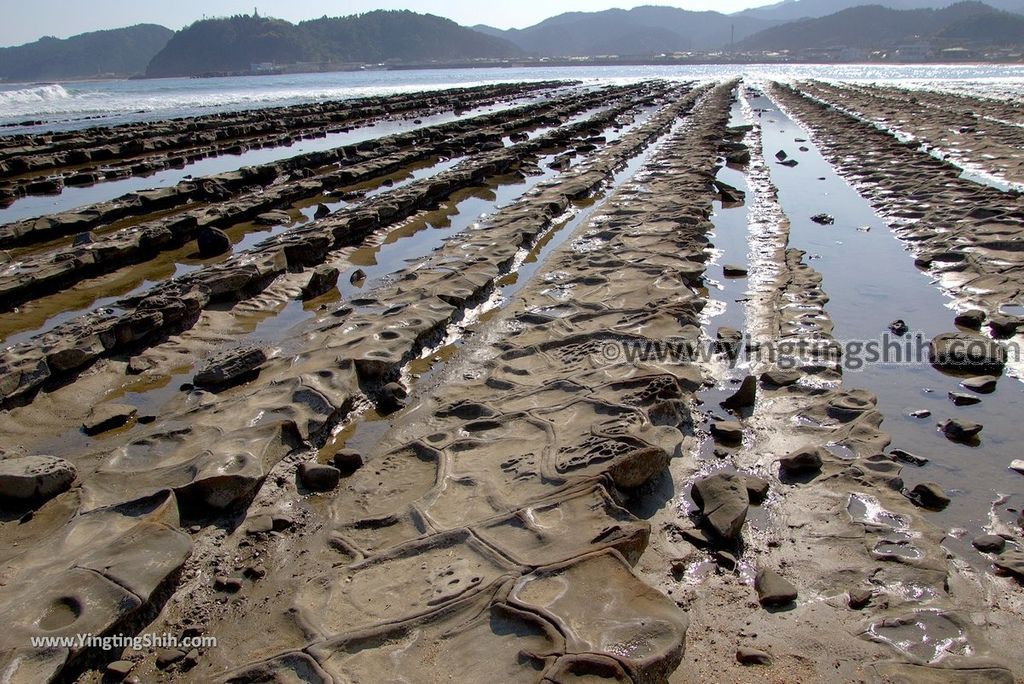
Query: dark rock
pixel 727 431
pixel 989 543
pixel 960 430
pixel 322 211
pixel 228 585
pixel 920 413
pixel 393 396
pixel 751 656
pixel 983 384
pixel 963 399
pixel 728 194
pixel 118 670
pixel 1004 326
pixel 638 467
pixel 929 495
pixel 28 479
pixel 782 155
pixel 728 341
pixel 780 377
pixel 723 501
pixel 745 396
pixel 802 461
pixel 971 319
pixel 733 271
pixel 739 157
pixel 230 367
pixel 358 276
pixel 323 279
pixel 165 657
pixel 82 239
pixel 105 417
pixel 967 352
pixel 823 219
pixel 773 590
pixel 726 560
pixel 347 461
pixel 899 328
pixel 790 163
pixel 259 524
pixel 1011 563
pixel 757 488
pixel 907 457
pixel 212 242
pixel 317 477
pixel 858 599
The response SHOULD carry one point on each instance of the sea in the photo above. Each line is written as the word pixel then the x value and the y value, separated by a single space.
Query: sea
pixel 81 104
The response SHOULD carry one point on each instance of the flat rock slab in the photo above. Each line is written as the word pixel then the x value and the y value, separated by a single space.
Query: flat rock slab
pixel 107 417
pixel 723 500
pixel 964 352
pixel 34 478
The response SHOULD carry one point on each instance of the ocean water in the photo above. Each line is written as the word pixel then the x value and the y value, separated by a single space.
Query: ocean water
pixel 73 105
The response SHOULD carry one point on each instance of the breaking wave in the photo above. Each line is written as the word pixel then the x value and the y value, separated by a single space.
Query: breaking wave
pixel 45 93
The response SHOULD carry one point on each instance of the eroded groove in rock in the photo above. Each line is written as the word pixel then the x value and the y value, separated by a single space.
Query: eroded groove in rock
pixel 965 234
pixel 473 536
pixel 28 162
pixel 824 535
pixel 484 128
pixel 280 185
pixel 174 305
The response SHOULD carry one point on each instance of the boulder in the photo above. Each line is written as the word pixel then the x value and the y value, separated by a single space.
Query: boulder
pixel 960 430
pixel 803 461
pixel 1011 563
pixel 745 396
pixel 780 377
pixel 107 417
pixel 899 328
pixel 723 501
pixel 907 457
pixel 318 477
pixel 29 479
pixel 733 271
pixel 347 461
pixel 983 384
pixel 971 319
pixel 757 488
pixel 638 467
pixel 322 210
pixel 727 431
pixel 393 396
pixel 962 352
pixel 858 599
pixel 773 589
pixel 212 242
pixel 989 543
pixel 963 399
pixel 323 279
pixel 929 495
pixel 823 219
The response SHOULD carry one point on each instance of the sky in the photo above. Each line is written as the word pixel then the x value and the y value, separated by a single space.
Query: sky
pixel 24 22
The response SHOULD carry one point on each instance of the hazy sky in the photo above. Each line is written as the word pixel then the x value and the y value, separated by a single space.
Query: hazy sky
pixel 27 20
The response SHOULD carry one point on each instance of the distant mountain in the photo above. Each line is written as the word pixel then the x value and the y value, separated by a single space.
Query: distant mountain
pixel 121 52
pixel 790 10
pixel 874 27
pixel 640 31
pixel 234 44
